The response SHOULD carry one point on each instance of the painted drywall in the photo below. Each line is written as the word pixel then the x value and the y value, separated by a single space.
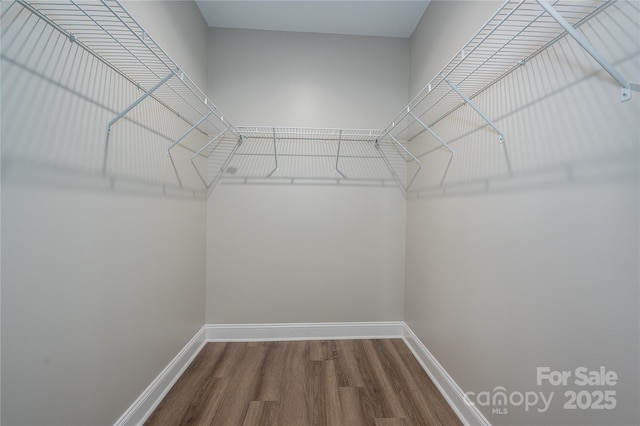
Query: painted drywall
pixel 271 78
pixel 102 279
pixel 178 28
pixel 506 274
pixel 290 254
pixel 305 253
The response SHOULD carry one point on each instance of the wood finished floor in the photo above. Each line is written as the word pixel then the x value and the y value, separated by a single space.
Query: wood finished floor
pixel 319 382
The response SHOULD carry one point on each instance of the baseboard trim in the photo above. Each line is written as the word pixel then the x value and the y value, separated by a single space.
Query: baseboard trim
pixel 303 331
pixel 142 408
pixel 468 414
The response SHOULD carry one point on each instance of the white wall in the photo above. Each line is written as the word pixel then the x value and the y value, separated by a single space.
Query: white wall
pixel 305 253
pixel 271 78
pixel 102 279
pixel 506 273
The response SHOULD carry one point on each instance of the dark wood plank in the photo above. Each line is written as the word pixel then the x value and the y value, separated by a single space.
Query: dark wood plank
pixel 314 391
pixel 316 351
pixel 272 373
pixel 383 385
pixel 432 397
pixel 352 413
pixel 400 379
pixel 261 413
pixel 372 399
pixel 391 422
pixel 293 406
pixel 347 370
pixel 187 399
pixel 332 395
pixel 242 389
pixel 339 382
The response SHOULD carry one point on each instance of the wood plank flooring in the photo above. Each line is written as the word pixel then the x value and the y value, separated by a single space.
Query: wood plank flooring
pixel 318 382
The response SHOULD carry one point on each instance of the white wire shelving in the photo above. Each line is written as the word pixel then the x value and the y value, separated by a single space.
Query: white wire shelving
pixel 518 31
pixel 288 155
pixel 106 30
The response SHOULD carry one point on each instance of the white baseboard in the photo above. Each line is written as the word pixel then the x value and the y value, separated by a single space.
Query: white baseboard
pixel 142 408
pixel 303 331
pixel 468 414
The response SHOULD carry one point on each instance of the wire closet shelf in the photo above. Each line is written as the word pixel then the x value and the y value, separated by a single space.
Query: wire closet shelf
pixel 518 31
pixel 320 156
pixel 105 29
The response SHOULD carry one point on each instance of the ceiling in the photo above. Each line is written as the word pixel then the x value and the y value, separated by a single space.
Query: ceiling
pixel 390 18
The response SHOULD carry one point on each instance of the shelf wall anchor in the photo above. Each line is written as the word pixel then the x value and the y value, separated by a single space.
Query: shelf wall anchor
pixel 625 87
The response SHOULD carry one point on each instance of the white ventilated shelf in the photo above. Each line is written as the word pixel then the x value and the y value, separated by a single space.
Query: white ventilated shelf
pixel 108 31
pixel 518 31
pixel 311 156
pixel 105 30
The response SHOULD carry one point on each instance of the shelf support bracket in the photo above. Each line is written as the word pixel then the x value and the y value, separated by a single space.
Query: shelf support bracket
pixel 177 141
pixel 214 148
pixel 388 164
pixel 218 176
pixel 125 112
pixel 412 157
pixel 140 99
pixel 192 128
pixel 625 87
pixel 212 140
pixel 453 153
pixel 275 155
pixel 423 124
pixel 338 154
pixel 400 148
pixel 474 107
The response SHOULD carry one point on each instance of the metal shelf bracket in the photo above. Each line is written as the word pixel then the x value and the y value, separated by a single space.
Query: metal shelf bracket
pixel 423 124
pixel 126 111
pixel 275 155
pixel 140 99
pixel 338 155
pixel 401 148
pixel 185 134
pixel 474 107
pixel 453 153
pixel 625 87
pixel 222 169
pixel 224 166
